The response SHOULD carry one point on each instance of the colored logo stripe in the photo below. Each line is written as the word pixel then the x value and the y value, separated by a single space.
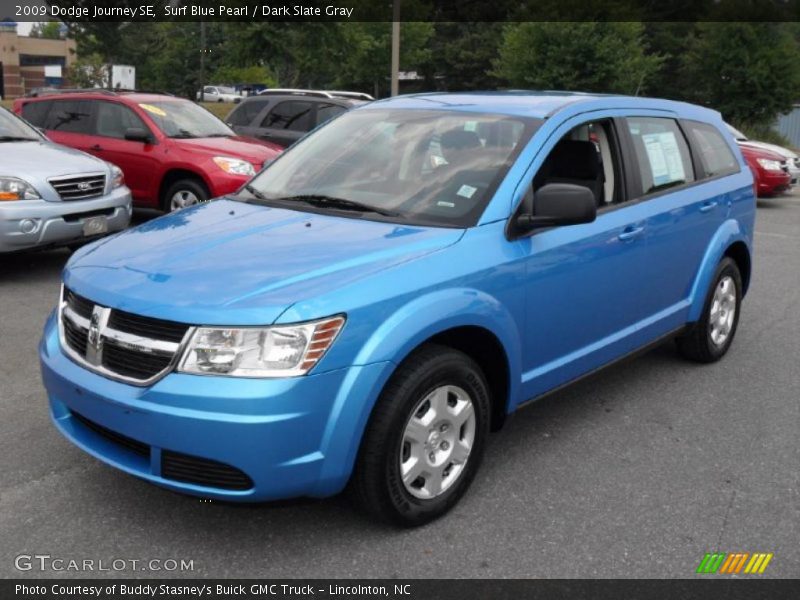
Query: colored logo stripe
pixel 734 562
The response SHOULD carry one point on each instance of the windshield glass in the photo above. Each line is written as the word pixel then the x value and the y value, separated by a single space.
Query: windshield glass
pixel 13 129
pixel 184 119
pixel 432 167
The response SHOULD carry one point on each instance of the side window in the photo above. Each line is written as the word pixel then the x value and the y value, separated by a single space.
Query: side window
pixel 209 90
pixel 36 112
pixel 70 116
pixel 587 156
pixel 114 119
pixel 662 153
pixel 326 112
pixel 292 115
pixel 715 154
pixel 246 112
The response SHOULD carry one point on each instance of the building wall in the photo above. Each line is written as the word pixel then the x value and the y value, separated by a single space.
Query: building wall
pixel 789 126
pixel 15 80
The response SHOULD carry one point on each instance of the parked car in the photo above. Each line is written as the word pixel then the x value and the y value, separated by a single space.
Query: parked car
pixel 219 93
pixel 770 170
pixel 791 158
pixel 174 153
pixel 283 116
pixel 54 196
pixel 393 286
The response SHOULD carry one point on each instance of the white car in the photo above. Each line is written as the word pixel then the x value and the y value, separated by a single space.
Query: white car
pixel 792 159
pixel 218 93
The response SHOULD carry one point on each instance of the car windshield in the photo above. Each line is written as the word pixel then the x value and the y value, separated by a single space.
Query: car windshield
pixel 14 129
pixel 426 167
pixel 184 119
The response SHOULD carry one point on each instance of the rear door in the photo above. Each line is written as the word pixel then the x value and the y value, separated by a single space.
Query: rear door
pixel 71 122
pixel 683 214
pixel 138 160
pixel 287 122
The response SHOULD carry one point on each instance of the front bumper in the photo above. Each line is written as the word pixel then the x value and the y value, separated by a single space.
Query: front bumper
pixel 291 437
pixel 773 182
pixel 27 224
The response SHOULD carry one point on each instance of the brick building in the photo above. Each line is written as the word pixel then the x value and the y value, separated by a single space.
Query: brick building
pixel 27 63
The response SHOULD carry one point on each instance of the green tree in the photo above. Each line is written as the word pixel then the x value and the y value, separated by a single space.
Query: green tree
pixel 50 30
pixel 87 72
pixel 586 56
pixel 463 56
pixel 748 71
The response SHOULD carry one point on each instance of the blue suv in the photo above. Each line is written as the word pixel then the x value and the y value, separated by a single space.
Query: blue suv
pixel 367 308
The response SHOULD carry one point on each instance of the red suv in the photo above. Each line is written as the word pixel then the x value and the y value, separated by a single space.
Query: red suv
pixel 770 172
pixel 173 152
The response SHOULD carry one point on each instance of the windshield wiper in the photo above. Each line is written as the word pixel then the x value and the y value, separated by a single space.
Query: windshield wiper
pixel 16 138
pixel 341 204
pixel 254 192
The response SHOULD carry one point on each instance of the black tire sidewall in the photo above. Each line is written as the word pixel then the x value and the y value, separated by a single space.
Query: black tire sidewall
pixel 191 185
pixel 727 267
pixel 452 368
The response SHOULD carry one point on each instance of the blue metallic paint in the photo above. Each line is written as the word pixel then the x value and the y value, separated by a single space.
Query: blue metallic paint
pixel 561 302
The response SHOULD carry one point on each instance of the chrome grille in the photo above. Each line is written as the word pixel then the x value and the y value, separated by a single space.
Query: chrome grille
pixel 118 344
pixel 79 188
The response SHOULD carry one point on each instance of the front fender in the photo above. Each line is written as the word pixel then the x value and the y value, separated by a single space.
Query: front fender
pixel 729 233
pixel 406 329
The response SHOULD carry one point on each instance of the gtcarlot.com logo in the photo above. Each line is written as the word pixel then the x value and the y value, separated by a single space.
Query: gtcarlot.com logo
pixel 735 562
pixel 46 562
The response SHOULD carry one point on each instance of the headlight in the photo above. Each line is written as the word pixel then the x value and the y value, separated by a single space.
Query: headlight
pixel 12 188
pixel 234 166
pixel 769 165
pixel 117 177
pixel 279 351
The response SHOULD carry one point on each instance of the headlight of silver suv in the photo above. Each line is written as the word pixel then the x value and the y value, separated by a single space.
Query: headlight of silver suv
pixel 12 188
pixel 117 177
pixel 278 351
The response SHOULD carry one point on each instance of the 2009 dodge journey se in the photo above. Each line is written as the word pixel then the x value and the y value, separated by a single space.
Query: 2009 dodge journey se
pixel 367 308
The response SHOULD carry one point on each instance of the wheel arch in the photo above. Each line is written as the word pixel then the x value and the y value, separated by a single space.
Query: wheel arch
pixel 729 240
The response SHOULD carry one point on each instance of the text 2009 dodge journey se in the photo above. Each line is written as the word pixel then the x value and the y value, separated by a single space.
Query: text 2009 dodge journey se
pixel 378 299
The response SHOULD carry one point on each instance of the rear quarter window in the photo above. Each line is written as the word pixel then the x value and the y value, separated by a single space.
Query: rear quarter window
pixel 715 154
pixel 36 112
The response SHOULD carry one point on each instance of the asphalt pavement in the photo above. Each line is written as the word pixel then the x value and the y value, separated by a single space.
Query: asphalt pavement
pixel 635 472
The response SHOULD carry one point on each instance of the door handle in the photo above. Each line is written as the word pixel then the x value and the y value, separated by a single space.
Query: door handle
pixel 707 206
pixel 630 233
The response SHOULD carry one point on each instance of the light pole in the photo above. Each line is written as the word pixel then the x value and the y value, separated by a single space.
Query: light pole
pixel 395 47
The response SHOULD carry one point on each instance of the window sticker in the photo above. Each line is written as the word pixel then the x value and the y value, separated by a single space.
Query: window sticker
pixel 153 109
pixel 664 156
pixel 467 191
pixel 447 204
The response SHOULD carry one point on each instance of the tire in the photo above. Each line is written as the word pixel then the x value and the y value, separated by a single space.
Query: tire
pixel 192 190
pixel 422 424
pixel 704 341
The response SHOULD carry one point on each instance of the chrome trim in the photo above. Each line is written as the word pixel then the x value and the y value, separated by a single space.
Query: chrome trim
pixel 94 356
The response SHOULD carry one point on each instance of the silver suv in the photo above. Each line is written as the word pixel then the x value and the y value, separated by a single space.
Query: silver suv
pixel 54 196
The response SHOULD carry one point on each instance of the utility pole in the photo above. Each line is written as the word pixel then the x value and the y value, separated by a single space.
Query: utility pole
pixel 395 47
pixel 202 61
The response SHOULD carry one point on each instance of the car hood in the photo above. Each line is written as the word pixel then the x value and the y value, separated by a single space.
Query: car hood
pixel 780 150
pixel 251 150
pixel 45 159
pixel 231 263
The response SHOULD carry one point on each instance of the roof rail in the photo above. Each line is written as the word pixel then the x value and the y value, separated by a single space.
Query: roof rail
pixel 54 91
pixel 294 92
pixel 353 95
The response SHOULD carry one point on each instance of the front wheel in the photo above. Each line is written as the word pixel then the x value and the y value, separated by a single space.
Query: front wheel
pixel 183 193
pixel 709 339
pixel 425 438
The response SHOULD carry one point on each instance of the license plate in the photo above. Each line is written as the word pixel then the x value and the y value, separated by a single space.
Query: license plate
pixel 95 225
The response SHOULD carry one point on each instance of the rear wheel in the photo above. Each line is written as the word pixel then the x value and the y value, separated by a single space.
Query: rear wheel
pixel 709 339
pixel 425 439
pixel 183 193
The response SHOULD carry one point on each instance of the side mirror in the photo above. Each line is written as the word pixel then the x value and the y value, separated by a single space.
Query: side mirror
pixel 559 204
pixel 137 134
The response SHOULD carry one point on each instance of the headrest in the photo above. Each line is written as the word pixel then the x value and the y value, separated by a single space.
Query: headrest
pixel 576 159
pixel 458 139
